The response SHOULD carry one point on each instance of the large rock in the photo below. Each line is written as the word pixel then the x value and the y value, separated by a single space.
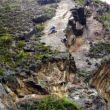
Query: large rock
pixel 101 79
pixel 44 77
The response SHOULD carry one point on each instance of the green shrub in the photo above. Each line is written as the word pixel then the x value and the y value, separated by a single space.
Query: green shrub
pixel 21 44
pixel 1 72
pixel 7 8
pixel 106 19
pixel 22 55
pixel 50 12
pixel 39 27
pixel 52 103
pixel 81 2
pixel 42 47
pixel 98 1
pixel 6 39
pixel 41 56
pixel 6 58
pixel 99 50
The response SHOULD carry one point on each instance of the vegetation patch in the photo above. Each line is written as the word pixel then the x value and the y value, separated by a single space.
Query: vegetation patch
pixel 21 44
pixel 52 103
pixel 50 12
pixel 6 8
pixel 41 56
pixel 13 51
pixel 99 50
pixel 5 49
pixel 42 48
pixel 39 29
pixel 6 39
pixel 106 19
pixel 98 1
pixel 22 55
pixel 81 2
pixel 1 72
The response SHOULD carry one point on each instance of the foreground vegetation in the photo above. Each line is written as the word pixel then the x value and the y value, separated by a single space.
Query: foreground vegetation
pixel 15 51
pixel 12 55
pixel 52 103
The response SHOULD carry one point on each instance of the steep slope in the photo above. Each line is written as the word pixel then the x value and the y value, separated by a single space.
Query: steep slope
pixel 60 21
pixel 49 78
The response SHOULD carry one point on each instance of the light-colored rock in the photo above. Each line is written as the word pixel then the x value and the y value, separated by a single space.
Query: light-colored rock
pixel 101 79
pixel 2 90
pixel 2 106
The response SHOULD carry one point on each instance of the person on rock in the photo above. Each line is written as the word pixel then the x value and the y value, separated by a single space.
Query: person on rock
pixel 64 41
pixel 52 30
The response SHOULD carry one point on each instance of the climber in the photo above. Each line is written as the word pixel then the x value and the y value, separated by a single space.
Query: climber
pixel 52 30
pixel 64 41
pixel 53 27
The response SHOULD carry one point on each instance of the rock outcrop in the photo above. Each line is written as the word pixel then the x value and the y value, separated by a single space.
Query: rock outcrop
pixel 79 45
pixel 101 80
pixel 49 78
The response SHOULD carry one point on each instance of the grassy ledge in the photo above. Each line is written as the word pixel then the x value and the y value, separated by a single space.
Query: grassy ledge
pixel 52 103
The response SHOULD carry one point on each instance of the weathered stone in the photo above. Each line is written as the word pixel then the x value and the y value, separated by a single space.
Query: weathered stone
pixel 33 67
pixel 2 91
pixel 38 87
pixel 27 49
pixel 2 106
pixel 101 79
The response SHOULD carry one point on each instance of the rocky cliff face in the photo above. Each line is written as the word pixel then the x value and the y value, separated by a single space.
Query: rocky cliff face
pixel 101 80
pixel 49 78
pixel 80 46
